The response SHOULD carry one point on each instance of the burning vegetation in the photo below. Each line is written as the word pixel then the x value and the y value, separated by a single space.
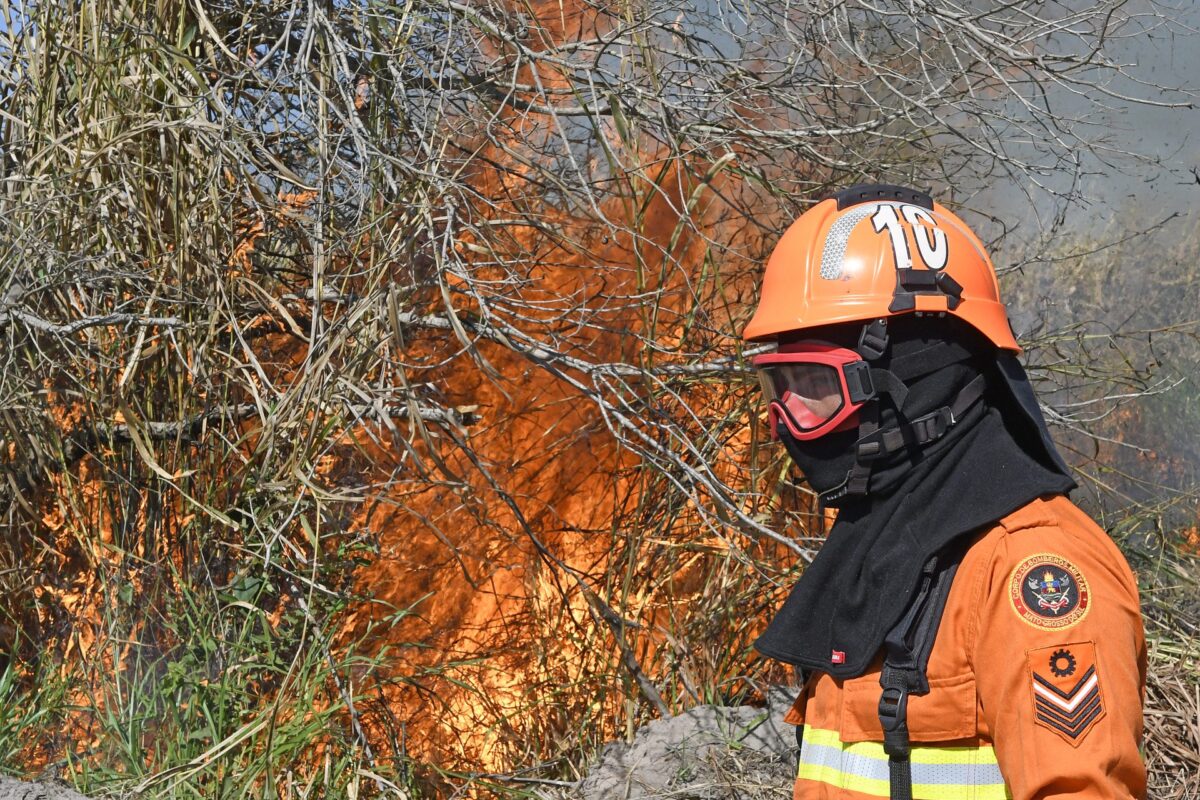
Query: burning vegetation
pixel 373 417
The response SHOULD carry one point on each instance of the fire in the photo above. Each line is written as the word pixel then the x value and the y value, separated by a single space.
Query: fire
pixel 534 591
pixel 515 612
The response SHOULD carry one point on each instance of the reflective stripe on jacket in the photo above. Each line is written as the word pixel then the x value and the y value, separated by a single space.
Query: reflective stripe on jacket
pixel 1036 679
pixel 938 773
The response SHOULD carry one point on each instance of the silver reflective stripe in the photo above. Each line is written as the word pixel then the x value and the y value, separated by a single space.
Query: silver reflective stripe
pixel 939 773
pixel 839 236
pixel 864 766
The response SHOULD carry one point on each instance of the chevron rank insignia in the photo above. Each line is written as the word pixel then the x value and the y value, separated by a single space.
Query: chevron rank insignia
pixel 1066 689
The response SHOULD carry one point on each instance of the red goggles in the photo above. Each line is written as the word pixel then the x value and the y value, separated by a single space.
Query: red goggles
pixel 813 388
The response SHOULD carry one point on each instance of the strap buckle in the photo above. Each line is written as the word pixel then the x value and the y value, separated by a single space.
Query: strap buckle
pixel 933 425
pixel 893 708
pixel 873 341
pixel 893 716
pixel 922 430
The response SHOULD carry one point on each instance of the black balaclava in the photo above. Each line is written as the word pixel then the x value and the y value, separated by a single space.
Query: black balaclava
pixel 919 502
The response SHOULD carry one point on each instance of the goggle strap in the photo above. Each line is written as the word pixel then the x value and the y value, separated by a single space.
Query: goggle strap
pixel 876 443
pixel 885 382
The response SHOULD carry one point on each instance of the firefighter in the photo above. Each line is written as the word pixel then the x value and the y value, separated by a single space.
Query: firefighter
pixel 965 632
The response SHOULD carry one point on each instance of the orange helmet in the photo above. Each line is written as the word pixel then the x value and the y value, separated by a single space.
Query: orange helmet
pixel 876 251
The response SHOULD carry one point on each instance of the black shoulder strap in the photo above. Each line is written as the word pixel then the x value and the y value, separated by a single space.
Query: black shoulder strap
pixel 906 658
pixel 804 678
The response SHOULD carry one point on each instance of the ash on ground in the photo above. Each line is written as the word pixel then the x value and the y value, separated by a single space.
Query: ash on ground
pixel 12 789
pixel 707 753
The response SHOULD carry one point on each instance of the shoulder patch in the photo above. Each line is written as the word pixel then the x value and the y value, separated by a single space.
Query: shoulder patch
pixel 1048 591
pixel 1065 687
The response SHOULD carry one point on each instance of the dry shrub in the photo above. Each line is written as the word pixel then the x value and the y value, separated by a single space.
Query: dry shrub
pixel 371 406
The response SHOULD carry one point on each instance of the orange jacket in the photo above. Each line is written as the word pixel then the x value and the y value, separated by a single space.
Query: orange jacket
pixel 1036 677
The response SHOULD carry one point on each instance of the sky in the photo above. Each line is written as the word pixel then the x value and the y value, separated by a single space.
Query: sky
pixel 1167 139
pixel 1123 196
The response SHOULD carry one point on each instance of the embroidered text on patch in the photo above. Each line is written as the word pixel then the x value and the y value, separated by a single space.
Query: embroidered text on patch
pixel 1048 591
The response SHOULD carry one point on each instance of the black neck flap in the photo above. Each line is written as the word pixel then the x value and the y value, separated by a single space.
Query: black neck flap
pixel 922 499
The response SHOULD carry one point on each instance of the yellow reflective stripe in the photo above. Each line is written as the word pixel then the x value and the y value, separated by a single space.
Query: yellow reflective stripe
pixel 921 754
pixel 939 773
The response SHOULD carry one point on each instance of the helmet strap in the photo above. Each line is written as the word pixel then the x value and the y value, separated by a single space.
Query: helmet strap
pixel 876 442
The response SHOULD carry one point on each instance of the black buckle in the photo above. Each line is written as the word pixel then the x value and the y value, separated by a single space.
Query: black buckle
pixel 932 426
pixel 893 716
pixel 951 288
pixel 873 340
pixel 893 708
pixel 921 430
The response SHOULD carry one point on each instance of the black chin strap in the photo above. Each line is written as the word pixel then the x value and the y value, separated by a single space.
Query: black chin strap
pixel 876 443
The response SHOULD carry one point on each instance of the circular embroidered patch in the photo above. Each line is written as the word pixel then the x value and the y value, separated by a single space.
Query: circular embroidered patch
pixel 1047 591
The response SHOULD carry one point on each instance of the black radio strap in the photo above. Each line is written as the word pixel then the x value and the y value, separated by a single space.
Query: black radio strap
pixel 906 659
